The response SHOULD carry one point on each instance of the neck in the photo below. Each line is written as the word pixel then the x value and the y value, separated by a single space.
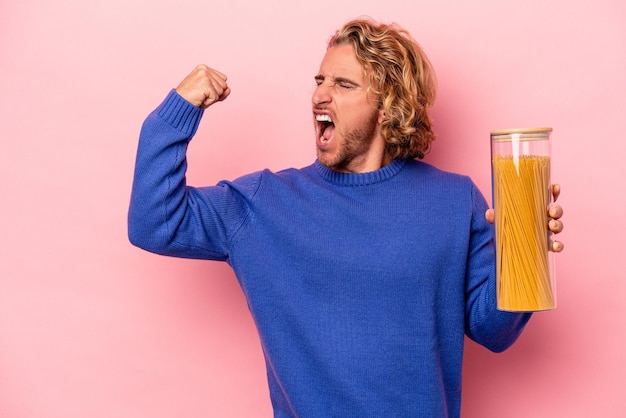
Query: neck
pixel 365 164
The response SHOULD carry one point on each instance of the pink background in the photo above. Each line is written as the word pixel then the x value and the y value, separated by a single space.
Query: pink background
pixel 93 327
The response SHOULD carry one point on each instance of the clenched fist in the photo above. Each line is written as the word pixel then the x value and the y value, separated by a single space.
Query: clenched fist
pixel 203 87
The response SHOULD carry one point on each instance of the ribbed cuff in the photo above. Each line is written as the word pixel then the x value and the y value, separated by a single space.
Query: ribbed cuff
pixel 180 114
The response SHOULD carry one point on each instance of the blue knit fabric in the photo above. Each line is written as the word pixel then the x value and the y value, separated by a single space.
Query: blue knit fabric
pixel 362 286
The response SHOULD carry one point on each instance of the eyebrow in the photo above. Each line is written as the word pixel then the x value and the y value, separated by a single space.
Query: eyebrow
pixel 341 80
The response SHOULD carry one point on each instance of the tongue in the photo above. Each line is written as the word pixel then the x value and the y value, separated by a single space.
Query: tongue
pixel 328 132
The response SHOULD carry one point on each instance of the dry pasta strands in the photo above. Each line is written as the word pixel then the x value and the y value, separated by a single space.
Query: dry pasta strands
pixel 521 195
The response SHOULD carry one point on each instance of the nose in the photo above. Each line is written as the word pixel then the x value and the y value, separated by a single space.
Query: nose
pixel 321 94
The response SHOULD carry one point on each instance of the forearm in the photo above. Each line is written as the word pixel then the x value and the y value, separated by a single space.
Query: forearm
pixel 159 198
pixel 485 324
pixel 494 329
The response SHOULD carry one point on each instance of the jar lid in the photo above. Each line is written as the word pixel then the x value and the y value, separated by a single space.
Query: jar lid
pixel 522 133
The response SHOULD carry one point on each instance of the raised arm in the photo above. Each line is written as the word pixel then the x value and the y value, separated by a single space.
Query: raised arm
pixel 165 216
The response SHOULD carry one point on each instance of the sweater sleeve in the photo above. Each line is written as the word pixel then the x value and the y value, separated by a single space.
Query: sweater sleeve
pixel 165 215
pixel 496 330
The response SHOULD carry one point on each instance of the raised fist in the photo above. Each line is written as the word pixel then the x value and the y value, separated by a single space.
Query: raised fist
pixel 203 87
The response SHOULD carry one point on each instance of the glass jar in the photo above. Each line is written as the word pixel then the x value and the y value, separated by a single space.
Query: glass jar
pixel 520 172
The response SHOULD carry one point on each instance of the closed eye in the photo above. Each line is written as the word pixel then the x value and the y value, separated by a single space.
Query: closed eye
pixel 346 83
pixel 342 82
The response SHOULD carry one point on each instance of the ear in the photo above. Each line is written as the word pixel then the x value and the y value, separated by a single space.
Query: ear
pixel 381 116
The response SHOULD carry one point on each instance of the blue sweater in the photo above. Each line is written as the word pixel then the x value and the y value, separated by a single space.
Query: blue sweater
pixel 361 286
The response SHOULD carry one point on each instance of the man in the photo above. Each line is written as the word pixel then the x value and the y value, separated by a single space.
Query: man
pixel 364 270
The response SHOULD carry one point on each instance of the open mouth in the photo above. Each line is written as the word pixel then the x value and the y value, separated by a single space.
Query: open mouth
pixel 325 127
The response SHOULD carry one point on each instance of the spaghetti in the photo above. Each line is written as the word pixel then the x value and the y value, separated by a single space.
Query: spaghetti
pixel 521 196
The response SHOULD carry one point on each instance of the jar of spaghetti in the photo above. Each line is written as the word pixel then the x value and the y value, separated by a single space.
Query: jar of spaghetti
pixel 520 169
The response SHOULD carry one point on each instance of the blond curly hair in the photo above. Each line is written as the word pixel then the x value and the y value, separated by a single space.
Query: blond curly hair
pixel 403 81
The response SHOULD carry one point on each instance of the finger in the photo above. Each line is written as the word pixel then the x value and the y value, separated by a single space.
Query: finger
pixel 555 211
pixel 555 226
pixel 224 94
pixel 490 215
pixel 222 90
pixel 217 87
pixel 207 102
pixel 557 246
pixel 556 191
pixel 220 85
pixel 204 71
pixel 214 91
pixel 211 97
pixel 220 75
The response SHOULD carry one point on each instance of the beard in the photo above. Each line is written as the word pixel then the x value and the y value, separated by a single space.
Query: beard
pixel 353 145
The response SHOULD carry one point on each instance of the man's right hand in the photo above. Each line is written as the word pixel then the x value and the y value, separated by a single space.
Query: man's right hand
pixel 203 87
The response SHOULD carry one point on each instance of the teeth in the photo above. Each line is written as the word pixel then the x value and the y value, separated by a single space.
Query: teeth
pixel 323 118
pixel 323 140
